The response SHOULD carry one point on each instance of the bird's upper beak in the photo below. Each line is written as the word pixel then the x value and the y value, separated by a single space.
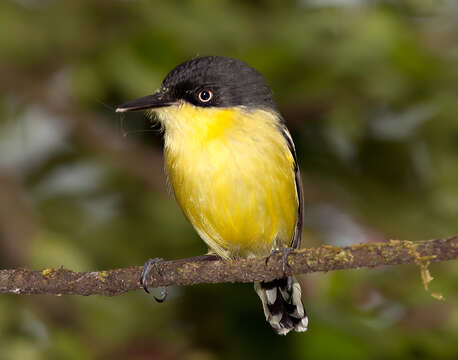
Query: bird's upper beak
pixel 156 100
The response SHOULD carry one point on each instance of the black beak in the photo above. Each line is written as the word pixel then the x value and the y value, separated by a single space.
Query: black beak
pixel 156 100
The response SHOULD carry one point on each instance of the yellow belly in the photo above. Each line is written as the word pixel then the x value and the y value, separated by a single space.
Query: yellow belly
pixel 233 175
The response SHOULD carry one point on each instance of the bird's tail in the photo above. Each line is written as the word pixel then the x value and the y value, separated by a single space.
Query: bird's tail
pixel 283 308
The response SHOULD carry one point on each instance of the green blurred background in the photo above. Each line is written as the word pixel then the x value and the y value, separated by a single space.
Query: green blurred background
pixel 369 91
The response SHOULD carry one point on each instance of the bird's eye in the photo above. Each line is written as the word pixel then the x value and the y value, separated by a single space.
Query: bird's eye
pixel 205 96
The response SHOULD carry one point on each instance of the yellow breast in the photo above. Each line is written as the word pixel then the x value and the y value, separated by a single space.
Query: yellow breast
pixel 233 175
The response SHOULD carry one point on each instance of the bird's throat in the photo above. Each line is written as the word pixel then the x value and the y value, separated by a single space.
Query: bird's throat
pixel 197 125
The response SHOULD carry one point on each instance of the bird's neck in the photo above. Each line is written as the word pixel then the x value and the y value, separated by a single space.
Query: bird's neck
pixel 194 127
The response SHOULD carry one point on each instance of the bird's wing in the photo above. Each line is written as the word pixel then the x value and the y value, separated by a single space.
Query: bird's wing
pixel 296 239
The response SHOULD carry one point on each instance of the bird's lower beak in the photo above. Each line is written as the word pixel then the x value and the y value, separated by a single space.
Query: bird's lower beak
pixel 156 100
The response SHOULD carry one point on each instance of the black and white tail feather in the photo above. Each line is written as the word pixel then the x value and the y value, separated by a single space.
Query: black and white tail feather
pixel 281 298
pixel 282 304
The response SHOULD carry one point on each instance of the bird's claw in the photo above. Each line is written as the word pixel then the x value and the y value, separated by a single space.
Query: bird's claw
pixel 284 257
pixel 144 279
pixel 164 294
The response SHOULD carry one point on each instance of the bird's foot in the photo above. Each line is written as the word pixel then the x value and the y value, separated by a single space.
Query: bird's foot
pixel 144 279
pixel 284 257
pixel 153 262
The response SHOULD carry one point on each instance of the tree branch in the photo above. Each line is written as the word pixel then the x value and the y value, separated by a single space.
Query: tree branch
pixel 189 272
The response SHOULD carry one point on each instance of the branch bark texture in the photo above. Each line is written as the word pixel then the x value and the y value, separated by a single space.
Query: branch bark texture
pixel 188 272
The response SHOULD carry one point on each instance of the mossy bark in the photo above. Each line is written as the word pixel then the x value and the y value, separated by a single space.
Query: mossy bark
pixel 182 272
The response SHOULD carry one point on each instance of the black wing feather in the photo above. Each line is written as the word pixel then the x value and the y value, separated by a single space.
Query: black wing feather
pixel 296 239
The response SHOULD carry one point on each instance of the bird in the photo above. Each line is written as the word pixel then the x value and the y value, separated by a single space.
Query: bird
pixel 232 166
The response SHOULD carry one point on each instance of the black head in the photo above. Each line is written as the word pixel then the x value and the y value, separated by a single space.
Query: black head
pixel 211 81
